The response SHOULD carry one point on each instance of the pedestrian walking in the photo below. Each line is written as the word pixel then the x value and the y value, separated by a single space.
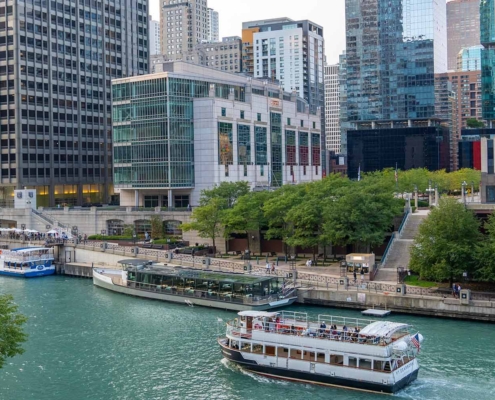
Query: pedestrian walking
pixel 454 290
pixel 267 267
pixel 362 275
pixel 273 267
pixel 355 276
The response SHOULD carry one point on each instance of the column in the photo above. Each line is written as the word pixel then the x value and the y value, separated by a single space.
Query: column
pixel 170 199
pixel 136 198
pixel 436 195
pixel 416 198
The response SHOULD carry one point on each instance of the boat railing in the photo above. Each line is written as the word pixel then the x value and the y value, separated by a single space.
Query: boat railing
pixel 199 294
pixel 293 328
pixel 344 321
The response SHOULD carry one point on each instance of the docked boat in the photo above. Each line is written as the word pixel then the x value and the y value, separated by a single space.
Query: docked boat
pixel 228 291
pixel 27 262
pixel 376 356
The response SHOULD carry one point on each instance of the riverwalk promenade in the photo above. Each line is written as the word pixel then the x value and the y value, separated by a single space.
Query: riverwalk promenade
pixel 316 285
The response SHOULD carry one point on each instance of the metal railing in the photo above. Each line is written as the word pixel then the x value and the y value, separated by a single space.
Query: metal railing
pixel 387 249
pixel 404 222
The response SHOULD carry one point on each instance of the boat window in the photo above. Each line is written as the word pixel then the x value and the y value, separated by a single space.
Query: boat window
pixel 336 359
pixel 320 357
pixel 131 275
pixel 283 352
pixel 352 362
pixel 378 365
pixel 257 348
pixel 246 347
pixel 24 265
pixel 270 350
pixel 386 367
pixel 366 364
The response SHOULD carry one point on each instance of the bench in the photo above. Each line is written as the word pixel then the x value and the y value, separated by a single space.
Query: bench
pixel 157 246
pixel 280 258
pixel 146 246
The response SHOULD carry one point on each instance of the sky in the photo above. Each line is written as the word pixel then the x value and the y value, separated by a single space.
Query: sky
pixel 328 13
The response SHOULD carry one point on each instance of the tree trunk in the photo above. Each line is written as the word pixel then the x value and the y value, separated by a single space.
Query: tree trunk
pixel 214 247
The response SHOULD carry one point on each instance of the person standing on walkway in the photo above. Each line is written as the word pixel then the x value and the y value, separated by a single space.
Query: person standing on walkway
pixel 355 276
pixel 267 267
pixel 454 290
pixel 273 267
pixel 362 275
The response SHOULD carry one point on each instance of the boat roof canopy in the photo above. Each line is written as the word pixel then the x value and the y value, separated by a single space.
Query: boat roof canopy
pixel 28 249
pixel 135 262
pixel 257 314
pixel 383 328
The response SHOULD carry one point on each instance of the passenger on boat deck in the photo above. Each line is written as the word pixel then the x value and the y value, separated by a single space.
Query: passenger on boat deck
pixel 344 328
pixel 356 330
pixel 323 326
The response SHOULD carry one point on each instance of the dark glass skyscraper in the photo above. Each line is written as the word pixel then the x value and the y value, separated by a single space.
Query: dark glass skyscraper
pixel 487 35
pixel 57 60
pixel 394 48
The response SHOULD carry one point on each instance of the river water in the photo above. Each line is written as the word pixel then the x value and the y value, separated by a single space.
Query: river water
pixel 89 343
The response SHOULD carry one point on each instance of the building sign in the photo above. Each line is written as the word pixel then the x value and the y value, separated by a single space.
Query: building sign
pixel 25 198
pixel 275 103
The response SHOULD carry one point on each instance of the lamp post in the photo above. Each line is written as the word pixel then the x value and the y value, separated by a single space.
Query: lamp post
pixel 134 237
pixel 472 191
pixel 429 192
pixel 464 184
pixel 436 195
pixel 416 196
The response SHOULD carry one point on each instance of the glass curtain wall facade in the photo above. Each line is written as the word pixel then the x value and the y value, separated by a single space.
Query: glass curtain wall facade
pixel 393 49
pixel 153 132
pixel 487 34
pixel 276 149
pixel 57 59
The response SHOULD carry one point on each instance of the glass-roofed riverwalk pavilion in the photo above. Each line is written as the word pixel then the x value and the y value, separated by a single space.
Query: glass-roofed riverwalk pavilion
pixel 178 132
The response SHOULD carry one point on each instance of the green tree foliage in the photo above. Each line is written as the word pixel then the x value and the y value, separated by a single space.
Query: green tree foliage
pixel 11 329
pixel 156 227
pixel 208 220
pixel 228 191
pixel 246 214
pixel 362 213
pixel 128 230
pixel 474 123
pixel 446 243
pixel 485 253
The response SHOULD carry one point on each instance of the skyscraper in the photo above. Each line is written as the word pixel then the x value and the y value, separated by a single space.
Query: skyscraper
pixel 463 28
pixel 213 26
pixel 393 51
pixel 58 60
pixel 469 59
pixel 332 107
pixel 183 25
pixel 154 37
pixel 487 35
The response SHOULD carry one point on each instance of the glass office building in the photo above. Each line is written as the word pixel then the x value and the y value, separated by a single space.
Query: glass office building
pixel 487 33
pixel 393 50
pixel 406 148
pixel 178 132
pixel 57 59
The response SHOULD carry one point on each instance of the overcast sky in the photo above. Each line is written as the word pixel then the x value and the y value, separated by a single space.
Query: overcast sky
pixel 328 13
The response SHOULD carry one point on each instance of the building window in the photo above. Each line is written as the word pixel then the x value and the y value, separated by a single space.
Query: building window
pixel 244 145
pixel 181 201
pixel 150 201
pixel 314 125
pixel 225 142
pixel 490 194
pixel 288 121
pixel 224 112
pixel 490 155
pixel 259 117
pixel 302 123
pixel 242 114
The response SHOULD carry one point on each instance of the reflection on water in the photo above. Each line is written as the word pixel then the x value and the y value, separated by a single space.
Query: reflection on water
pixel 88 343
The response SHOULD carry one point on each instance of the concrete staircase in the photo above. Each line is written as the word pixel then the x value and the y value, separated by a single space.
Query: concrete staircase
pixel 399 253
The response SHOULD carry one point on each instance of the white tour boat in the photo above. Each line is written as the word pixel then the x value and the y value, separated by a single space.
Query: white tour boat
pixel 377 356
pixel 27 262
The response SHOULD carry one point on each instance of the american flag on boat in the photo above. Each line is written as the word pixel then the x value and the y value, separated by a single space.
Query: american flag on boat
pixel 415 341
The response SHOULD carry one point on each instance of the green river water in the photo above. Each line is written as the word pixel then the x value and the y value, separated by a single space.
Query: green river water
pixel 89 343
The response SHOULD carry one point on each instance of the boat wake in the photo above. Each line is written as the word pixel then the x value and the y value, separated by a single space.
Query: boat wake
pixel 441 389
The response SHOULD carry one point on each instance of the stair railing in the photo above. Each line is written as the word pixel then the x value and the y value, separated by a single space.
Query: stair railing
pixel 404 223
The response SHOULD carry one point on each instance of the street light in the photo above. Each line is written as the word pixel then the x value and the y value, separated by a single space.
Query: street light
pixel 134 237
pixel 464 184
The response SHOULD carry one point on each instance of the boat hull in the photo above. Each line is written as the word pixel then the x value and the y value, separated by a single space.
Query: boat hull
pixel 105 282
pixel 313 378
pixel 29 274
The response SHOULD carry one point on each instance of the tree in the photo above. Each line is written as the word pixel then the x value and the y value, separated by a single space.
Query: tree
pixel 207 220
pixel 446 243
pixel 474 123
pixel 484 253
pixel 228 191
pixel 156 227
pixel 128 230
pixel 361 214
pixel 11 332
pixel 247 214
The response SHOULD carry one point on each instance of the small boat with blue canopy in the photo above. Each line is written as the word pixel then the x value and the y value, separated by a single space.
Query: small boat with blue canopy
pixel 27 262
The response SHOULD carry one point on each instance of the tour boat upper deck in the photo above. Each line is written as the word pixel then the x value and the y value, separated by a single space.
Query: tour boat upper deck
pixel 27 262
pixel 374 337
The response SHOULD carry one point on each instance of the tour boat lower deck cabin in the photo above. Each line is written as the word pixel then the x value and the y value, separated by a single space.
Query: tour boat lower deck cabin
pixel 377 356
pixel 208 288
